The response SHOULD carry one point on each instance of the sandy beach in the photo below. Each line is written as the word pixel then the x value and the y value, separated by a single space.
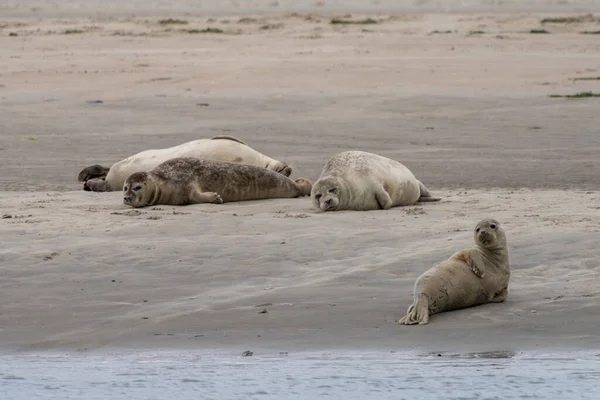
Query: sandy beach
pixel 459 93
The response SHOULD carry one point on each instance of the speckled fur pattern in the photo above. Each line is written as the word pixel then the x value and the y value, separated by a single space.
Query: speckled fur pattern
pixel 361 181
pixel 186 180
pixel 218 148
pixel 468 278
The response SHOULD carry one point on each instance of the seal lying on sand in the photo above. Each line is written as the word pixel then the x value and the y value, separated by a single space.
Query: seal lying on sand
pixel 220 148
pixel 187 180
pixel 357 180
pixel 469 278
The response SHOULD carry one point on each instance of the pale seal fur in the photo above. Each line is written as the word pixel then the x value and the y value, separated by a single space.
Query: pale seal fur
pixel 357 180
pixel 469 278
pixel 187 180
pixel 220 148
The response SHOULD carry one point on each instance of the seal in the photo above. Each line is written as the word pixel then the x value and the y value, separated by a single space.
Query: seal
pixel 361 181
pixel 468 278
pixel 187 180
pixel 220 148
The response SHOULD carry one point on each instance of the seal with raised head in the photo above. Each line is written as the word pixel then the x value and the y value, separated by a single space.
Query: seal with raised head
pixel 468 278
pixel 219 148
pixel 361 181
pixel 186 180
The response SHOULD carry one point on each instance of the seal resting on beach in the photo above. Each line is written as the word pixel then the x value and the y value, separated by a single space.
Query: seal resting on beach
pixel 187 180
pixel 220 148
pixel 360 181
pixel 469 278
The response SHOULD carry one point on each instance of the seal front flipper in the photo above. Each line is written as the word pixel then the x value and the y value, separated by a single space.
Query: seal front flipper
pixel 479 273
pixel 284 170
pixel 383 198
pixel 198 197
pixel 465 256
pixel 473 267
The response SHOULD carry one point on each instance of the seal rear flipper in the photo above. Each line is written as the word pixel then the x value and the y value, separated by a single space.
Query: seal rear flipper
pixel 428 199
pixel 418 313
pixel 92 172
pixel 425 195
pixel 304 186
pixel 97 185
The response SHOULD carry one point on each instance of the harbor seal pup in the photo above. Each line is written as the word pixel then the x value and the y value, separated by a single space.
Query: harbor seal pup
pixel 220 148
pixel 469 278
pixel 360 181
pixel 187 180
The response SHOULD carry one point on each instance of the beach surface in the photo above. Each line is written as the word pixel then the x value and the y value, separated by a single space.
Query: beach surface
pixel 459 94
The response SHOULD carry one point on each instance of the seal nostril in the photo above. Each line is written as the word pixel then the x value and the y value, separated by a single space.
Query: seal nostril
pixel 328 202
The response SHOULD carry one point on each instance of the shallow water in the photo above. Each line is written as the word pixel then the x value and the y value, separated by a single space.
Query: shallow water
pixel 344 375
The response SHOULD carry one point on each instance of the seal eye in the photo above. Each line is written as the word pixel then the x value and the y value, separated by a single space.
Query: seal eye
pixel 493 226
pixel 125 189
pixel 138 187
pixel 477 230
pixel 332 190
pixel 318 196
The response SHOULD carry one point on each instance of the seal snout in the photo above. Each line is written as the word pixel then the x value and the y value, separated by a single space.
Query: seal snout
pixel 329 203
pixel 485 237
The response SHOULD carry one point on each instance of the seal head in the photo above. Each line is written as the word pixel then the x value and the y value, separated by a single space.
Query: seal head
pixel 325 194
pixel 137 189
pixel 489 235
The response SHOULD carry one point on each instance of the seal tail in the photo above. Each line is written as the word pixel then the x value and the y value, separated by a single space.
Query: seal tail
pixel 304 186
pixel 418 313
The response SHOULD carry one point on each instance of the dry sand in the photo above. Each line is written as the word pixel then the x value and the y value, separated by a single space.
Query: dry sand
pixel 468 112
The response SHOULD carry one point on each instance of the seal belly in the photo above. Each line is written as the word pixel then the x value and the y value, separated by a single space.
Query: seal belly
pixel 451 286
